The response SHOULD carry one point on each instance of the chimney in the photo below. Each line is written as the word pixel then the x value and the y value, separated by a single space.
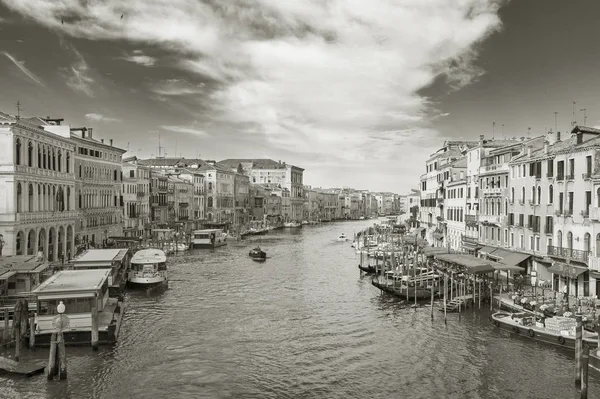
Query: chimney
pixel 102 141
pixel 545 147
pixel 111 141
pixel 83 133
pixel 529 152
pixel 557 136
pixel 90 135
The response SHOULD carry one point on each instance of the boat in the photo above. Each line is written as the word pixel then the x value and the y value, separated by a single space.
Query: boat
pixel 173 247
pixel 292 225
pixel 80 291
pixel 367 269
pixel 403 291
pixel 558 331
pixel 209 238
pixel 258 253
pixel 342 237
pixel 148 267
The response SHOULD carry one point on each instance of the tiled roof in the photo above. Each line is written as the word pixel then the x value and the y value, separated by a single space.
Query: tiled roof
pixel 461 163
pixel 255 163
pixel 585 129
pixel 560 147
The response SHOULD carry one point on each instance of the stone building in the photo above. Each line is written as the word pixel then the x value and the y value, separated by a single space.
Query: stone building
pixel 136 198
pixel 37 195
pixel 98 185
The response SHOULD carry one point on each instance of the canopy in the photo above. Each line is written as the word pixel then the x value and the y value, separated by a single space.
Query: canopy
pixel 436 250
pixel 502 267
pixel 513 258
pixel 470 263
pixel 562 269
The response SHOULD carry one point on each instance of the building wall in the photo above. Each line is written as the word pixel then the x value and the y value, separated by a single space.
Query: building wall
pixel 136 199
pixel 455 213
pixel 37 195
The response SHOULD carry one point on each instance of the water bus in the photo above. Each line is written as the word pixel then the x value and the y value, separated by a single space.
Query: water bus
pixel 148 267
pixel 209 238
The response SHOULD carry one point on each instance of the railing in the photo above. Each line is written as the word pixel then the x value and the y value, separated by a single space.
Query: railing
pixel 571 176
pixel 141 194
pixel 568 253
pixel 32 170
pixel 46 215
pixel 471 219
pixel 538 176
pixel 549 174
pixel 183 204
pixel 498 219
pixel 560 177
pixel 586 176
pixel 494 168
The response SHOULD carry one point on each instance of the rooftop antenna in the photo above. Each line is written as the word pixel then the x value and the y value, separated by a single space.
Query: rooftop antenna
pixel 160 148
pixel 573 123
pixel 18 109
pixel 584 117
pixel 493 130
pixel 555 114
pixel 175 147
pixel 503 136
pixel 528 132
pixel 128 146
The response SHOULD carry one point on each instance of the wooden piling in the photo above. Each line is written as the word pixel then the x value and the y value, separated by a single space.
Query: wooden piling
pixel 32 333
pixel 480 295
pixel 17 328
pixel 94 328
pixel 584 372
pixel 51 370
pixel 62 357
pixel 6 337
pixel 432 288
pixel 578 349
pixel 491 297
pixel 445 292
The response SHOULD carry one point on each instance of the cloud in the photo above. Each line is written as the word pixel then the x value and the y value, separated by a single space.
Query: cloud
pixel 101 118
pixel 21 66
pixel 140 58
pixel 184 129
pixel 77 75
pixel 177 87
pixel 319 77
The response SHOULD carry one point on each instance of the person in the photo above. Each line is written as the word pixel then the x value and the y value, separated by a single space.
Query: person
pixel 1 243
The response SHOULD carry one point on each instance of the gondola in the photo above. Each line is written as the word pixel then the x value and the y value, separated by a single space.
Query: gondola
pixel 368 269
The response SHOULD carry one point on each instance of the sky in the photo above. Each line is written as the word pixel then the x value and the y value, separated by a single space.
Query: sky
pixel 358 93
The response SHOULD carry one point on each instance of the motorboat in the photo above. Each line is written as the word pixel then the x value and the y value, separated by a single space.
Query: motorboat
pixel 292 225
pixel 258 254
pixel 342 237
pixel 148 267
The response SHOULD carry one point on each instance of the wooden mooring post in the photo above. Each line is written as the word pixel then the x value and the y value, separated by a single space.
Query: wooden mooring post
pixel 32 333
pixel 6 336
pixel 584 371
pixel 578 349
pixel 94 328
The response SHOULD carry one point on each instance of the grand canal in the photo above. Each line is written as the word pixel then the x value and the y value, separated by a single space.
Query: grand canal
pixel 303 324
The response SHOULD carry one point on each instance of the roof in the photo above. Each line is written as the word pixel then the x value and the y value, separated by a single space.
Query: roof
pixel 472 264
pixel 460 163
pixel 91 140
pixel 149 256
pixel 101 255
pixel 560 147
pixel 585 129
pixel 74 280
pixel 171 162
pixel 263 163
pixel 22 263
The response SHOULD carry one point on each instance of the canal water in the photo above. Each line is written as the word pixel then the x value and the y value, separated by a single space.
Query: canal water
pixel 304 324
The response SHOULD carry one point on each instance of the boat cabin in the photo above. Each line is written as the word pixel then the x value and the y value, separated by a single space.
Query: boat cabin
pixel 21 274
pixel 208 238
pixel 117 259
pixel 79 290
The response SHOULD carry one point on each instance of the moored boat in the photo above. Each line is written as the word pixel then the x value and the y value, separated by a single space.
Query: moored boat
pixel 342 237
pixel 209 238
pixel 148 267
pixel 559 331
pixel 403 291
pixel 292 225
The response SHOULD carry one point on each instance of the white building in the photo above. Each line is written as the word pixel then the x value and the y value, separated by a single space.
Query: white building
pixel 456 192
pixel 136 198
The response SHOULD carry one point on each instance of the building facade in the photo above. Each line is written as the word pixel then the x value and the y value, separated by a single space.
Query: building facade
pixel 98 184
pixel 136 198
pixel 37 200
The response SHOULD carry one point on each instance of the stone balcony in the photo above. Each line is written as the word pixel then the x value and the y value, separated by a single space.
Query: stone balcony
pixel 500 220
pixel 30 170
pixel 40 216
pixel 503 167
pixel 568 253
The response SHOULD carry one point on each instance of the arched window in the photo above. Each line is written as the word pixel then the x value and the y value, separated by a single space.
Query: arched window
pixel 209 202
pixel 39 163
pixel 506 207
pixel 68 163
pixel 68 202
pixel 522 194
pixel 18 152
pixel 30 198
pixel 80 172
pixel 533 194
pixel 59 167
pixel 115 175
pixel 569 241
pixel 539 195
pixel 53 167
pixel 44 157
pixel 550 194
pixel 512 194
pixel 19 198
pixel 80 201
pixel 586 242
pixel 559 239
pixel 40 198
pixel 29 154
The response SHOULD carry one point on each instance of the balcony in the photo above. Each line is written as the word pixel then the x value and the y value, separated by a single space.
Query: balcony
pixel 571 176
pixel 170 204
pixel 587 176
pixel 567 253
pixel 560 177
pixel 184 204
pixel 141 194
pixel 493 219
pixel 471 219
pixel 46 216
pixel 503 167
pixel 585 214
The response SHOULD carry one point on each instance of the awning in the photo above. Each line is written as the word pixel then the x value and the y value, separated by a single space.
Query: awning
pixel 429 251
pixel 513 258
pixel 487 250
pixel 472 264
pixel 502 267
pixel 562 269
pixel 499 253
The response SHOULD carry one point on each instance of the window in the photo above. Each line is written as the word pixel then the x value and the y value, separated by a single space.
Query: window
pixel 559 239
pixel 531 243
pixel 68 163
pixel 29 154
pixel 512 239
pixel 586 242
pixel 550 172
pixel 597 245
pixel 570 196
pixel 539 195
pixel 512 194
pixel 570 240
pixel 588 165
pixel 588 202
pixel 18 152
pixel 19 198
pixel 522 194
pixel 560 203
pixel 533 195
pixel 572 168
pixel 551 194
pixel 505 236
pixel 521 242
pixel 537 243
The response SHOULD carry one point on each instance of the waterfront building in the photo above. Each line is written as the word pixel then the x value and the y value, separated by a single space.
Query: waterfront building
pixel 241 189
pixel 267 171
pixel 196 178
pixel 98 184
pixel 37 200
pixel 456 192
pixel 136 198
pixel 180 196
pixel 438 169
pixel 159 211
pixel 312 204
pixel 407 201
pixel 329 200
pixel 220 194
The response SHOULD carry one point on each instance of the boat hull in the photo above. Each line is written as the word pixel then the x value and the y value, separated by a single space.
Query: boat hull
pixel 208 246
pixel 367 269
pixel 403 292
pixel 145 281
pixel 503 321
